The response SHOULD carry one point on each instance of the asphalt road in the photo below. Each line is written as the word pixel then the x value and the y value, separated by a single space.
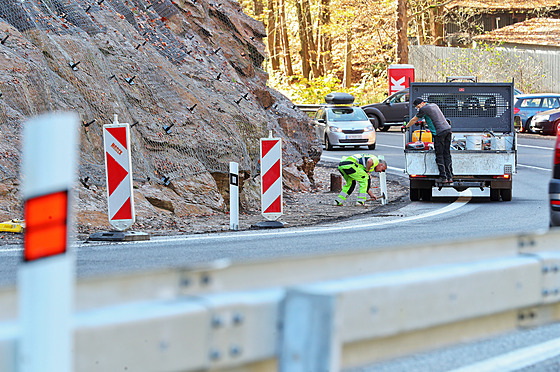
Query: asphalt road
pixel 447 217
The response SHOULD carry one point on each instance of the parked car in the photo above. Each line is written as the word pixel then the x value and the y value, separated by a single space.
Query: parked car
pixel 546 122
pixel 390 112
pixel 342 125
pixel 528 105
pixel 554 185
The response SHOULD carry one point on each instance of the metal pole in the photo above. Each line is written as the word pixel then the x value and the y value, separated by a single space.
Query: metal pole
pixel 383 184
pixel 233 196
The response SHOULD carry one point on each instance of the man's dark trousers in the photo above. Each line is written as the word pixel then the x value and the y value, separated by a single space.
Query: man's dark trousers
pixel 442 145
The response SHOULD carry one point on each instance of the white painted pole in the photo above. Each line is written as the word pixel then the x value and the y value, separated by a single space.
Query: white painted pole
pixel 233 196
pixel 383 184
pixel 46 282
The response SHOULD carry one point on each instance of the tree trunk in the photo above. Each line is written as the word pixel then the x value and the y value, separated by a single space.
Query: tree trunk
pixel 311 47
pixel 402 28
pixel 347 80
pixel 324 41
pixel 271 36
pixel 437 25
pixel 304 52
pixel 285 41
pixel 257 8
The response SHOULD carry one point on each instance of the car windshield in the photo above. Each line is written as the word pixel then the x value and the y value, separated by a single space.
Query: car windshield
pixel 346 114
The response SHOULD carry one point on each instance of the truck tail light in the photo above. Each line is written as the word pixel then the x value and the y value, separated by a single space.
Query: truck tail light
pixel 557 150
pixel 515 110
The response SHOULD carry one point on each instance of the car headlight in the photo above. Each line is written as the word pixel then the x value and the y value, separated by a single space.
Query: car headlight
pixel 368 128
pixel 335 129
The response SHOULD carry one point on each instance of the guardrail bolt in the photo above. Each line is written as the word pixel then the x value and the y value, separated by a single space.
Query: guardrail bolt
pixel 555 268
pixel 545 292
pixel 215 354
pixel 205 279
pixel 74 66
pixel 217 322
pixel 545 269
pixel 521 316
pixel 532 314
pixel 238 318
pixel 235 350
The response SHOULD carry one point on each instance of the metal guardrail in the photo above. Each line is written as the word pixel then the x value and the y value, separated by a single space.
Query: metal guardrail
pixel 351 309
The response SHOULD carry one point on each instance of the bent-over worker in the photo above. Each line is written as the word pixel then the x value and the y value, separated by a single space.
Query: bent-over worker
pixel 356 169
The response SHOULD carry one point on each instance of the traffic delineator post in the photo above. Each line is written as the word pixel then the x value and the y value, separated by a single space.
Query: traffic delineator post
pixel 47 276
pixel 120 195
pixel 118 171
pixel 233 196
pixel 271 181
pixel 383 184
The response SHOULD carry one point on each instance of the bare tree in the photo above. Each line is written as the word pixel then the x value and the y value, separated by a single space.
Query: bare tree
pixel 402 31
pixel 272 36
pixel 304 52
pixel 311 47
pixel 324 40
pixel 285 40
pixel 347 80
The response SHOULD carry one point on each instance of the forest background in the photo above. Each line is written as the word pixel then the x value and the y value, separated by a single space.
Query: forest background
pixel 319 46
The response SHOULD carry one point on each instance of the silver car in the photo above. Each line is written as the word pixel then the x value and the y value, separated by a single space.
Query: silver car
pixel 344 126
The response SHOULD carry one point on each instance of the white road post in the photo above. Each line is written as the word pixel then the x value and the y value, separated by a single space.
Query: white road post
pixel 46 277
pixel 383 184
pixel 233 196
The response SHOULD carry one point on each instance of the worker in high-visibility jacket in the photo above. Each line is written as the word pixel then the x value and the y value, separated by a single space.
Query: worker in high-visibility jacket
pixel 356 169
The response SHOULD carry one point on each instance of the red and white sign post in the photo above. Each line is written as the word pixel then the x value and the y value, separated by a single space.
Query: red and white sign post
pixel 271 178
pixel 118 166
pixel 46 278
pixel 399 77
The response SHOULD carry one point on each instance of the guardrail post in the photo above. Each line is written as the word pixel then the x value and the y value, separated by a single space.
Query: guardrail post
pixel 383 184
pixel 233 196
pixel 309 340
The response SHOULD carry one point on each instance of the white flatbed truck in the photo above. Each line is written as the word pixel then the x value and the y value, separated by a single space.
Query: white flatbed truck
pixel 484 142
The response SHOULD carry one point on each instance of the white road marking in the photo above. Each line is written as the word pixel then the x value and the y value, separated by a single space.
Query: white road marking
pixel 533 167
pixel 516 359
pixel 460 202
pixel 391 146
pixel 17 249
pixel 536 147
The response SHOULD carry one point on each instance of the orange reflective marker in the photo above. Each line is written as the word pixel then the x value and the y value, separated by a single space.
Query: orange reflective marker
pixel 46 225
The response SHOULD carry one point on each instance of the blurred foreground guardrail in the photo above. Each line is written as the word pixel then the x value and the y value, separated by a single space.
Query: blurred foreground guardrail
pixel 308 314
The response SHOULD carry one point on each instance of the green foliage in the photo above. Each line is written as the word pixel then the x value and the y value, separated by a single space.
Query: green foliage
pixel 313 91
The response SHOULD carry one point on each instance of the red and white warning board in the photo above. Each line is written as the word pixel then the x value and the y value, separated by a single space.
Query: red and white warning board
pixel 118 166
pixel 399 77
pixel 271 178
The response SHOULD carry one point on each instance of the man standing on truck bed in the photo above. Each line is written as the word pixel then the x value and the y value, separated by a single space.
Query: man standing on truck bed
pixel 356 168
pixel 441 130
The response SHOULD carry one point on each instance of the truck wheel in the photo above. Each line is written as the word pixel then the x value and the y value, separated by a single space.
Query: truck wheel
pixel 414 194
pixel 328 145
pixel 506 194
pixel 494 194
pixel 426 194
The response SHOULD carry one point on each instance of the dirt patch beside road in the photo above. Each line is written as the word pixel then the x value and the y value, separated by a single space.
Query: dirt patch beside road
pixel 300 209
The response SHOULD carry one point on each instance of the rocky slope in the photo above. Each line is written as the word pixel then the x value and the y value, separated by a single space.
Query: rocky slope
pixel 187 74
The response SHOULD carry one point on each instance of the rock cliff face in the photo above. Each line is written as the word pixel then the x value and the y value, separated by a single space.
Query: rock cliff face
pixel 186 74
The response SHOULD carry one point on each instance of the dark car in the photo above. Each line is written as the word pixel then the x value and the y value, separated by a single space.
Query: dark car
pixel 554 186
pixel 546 122
pixel 528 105
pixel 391 112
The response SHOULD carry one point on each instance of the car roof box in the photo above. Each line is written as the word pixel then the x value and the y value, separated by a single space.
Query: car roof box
pixel 339 99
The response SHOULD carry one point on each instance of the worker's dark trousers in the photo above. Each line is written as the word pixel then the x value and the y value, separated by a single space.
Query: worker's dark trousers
pixel 442 145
